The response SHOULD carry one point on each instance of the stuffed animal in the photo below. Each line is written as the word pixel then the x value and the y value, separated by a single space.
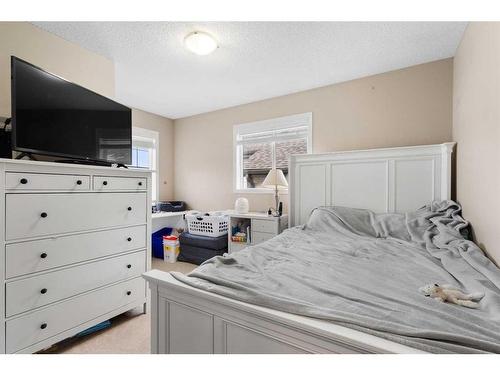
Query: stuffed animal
pixel 448 293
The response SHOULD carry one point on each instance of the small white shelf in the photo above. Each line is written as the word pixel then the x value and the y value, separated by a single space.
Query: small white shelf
pixel 262 228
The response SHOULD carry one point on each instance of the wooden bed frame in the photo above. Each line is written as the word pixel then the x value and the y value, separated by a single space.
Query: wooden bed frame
pixel 188 320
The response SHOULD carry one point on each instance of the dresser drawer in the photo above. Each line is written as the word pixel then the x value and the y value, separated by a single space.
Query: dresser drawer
pixel 258 237
pixel 267 226
pixel 33 215
pixel 36 291
pixel 40 255
pixel 27 330
pixel 103 183
pixel 44 181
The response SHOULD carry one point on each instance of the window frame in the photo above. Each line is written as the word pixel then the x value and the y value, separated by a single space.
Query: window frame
pixel 279 123
pixel 148 135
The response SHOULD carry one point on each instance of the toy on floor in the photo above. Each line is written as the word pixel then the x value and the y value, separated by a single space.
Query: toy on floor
pixel 98 327
pixel 448 293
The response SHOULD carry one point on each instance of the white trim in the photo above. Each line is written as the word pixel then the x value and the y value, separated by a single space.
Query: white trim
pixel 446 152
pixel 285 122
pixel 148 134
pixel 145 133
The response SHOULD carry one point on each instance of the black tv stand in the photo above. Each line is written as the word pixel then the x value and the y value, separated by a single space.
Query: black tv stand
pixel 91 162
pixel 27 155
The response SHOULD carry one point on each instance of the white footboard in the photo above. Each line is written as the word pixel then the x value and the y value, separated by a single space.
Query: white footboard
pixel 188 320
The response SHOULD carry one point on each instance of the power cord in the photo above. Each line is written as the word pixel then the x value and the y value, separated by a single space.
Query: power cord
pixel 6 122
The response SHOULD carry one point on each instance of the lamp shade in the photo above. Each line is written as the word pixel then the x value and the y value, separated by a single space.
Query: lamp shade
pixel 275 179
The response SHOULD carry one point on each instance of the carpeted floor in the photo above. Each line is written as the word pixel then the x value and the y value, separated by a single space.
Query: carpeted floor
pixel 128 334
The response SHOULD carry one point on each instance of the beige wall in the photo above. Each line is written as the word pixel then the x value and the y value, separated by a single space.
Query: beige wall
pixel 165 128
pixel 476 129
pixel 411 106
pixel 53 54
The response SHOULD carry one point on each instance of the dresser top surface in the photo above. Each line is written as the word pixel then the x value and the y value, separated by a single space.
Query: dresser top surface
pixel 48 166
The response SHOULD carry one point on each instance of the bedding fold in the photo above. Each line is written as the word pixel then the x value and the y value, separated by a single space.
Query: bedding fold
pixel 363 270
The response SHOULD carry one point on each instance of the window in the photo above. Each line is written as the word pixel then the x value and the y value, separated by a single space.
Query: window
pixel 145 146
pixel 261 146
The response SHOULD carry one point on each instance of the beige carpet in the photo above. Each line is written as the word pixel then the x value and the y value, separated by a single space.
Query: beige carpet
pixel 177 266
pixel 128 334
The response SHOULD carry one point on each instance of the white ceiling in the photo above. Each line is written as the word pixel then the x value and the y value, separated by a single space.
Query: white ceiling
pixel 255 61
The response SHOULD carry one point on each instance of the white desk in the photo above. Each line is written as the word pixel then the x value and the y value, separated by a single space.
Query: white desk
pixel 167 219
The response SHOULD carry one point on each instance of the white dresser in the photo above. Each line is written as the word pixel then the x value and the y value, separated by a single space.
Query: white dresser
pixel 75 240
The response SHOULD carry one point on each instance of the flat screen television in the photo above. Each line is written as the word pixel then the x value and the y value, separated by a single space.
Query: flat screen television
pixel 51 116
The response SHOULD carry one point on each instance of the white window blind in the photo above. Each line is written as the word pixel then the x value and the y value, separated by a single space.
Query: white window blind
pixel 144 143
pixel 145 147
pixel 274 135
pixel 267 144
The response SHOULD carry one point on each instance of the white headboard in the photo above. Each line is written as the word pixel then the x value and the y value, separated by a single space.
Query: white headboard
pixel 383 180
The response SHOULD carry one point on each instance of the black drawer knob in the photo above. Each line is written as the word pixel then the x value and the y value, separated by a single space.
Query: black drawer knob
pixel 23 181
pixel 43 291
pixel 43 255
pixel 43 214
pixel 129 208
pixel 129 239
pixel 43 326
pixel 105 182
pixel 129 266
pixel 140 183
pixel 78 182
pixel 129 293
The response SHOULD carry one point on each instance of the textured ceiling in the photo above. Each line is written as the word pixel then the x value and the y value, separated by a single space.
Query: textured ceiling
pixel 255 61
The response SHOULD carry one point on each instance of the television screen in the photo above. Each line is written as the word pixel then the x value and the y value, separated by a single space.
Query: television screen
pixel 51 116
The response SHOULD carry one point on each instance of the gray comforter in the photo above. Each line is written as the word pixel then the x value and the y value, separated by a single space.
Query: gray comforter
pixel 363 270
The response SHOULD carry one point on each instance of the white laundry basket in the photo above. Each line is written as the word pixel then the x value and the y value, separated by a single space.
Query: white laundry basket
pixel 210 224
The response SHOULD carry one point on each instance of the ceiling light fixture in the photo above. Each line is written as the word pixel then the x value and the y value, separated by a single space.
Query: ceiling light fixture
pixel 200 43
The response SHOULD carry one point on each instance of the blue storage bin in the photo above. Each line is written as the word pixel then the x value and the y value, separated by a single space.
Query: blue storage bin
pixel 157 241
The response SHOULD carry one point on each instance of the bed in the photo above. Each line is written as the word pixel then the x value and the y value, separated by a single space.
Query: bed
pixel 341 280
